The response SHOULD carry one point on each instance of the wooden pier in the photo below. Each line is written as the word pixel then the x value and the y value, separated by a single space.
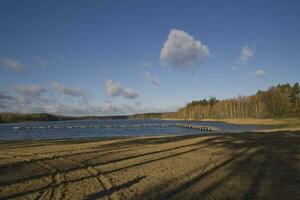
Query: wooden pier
pixel 188 126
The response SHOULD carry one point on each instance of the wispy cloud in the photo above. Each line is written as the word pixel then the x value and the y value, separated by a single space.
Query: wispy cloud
pixel 41 62
pixel 245 55
pixel 259 73
pixel 46 104
pixel 12 63
pixel 145 63
pixel 60 58
pixel 148 76
pixel 24 104
pixel 129 93
pixel 114 89
pixel 28 90
pixel 25 98
pixel 181 50
pixel 70 91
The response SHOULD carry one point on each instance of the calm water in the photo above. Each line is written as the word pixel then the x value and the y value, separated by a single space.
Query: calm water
pixel 8 133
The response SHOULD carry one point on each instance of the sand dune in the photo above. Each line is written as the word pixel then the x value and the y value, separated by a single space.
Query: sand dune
pixel 230 166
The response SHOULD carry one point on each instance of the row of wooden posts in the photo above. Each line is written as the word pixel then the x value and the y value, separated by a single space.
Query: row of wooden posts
pixel 196 127
pixel 89 126
pixel 189 126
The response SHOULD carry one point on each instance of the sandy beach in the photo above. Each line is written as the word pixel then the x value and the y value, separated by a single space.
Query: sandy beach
pixel 228 166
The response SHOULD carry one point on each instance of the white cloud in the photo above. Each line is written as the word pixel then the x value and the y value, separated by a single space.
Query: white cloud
pixel 27 99
pixel 155 81
pixel 246 54
pixel 30 99
pixel 41 62
pixel 76 92
pixel 108 108
pixel 129 93
pixel 30 104
pixel 38 104
pixel 24 104
pixel 259 73
pixel 11 63
pixel 114 89
pixel 29 90
pixel 181 50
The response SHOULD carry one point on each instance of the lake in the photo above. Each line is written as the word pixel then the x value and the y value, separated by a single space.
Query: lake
pixel 7 131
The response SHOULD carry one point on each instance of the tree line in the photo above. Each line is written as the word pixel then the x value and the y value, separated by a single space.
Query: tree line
pixel 7 117
pixel 277 101
pixel 22 117
pixel 34 117
pixel 282 100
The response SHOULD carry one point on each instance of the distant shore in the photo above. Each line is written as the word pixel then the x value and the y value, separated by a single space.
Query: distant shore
pixel 43 117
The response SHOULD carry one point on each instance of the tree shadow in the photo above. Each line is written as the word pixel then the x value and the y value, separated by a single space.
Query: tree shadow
pixel 103 193
pixel 275 154
pixel 85 164
pixel 271 169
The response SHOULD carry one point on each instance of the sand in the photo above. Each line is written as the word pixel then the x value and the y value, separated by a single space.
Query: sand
pixel 228 166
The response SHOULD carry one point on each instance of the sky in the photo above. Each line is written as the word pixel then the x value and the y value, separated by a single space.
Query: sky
pixel 124 57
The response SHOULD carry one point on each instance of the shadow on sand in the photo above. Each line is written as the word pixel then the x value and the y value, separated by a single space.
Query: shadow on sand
pixel 262 166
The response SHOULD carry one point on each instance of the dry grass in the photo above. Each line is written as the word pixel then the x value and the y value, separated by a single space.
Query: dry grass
pixel 288 122
pixel 230 166
pixel 251 121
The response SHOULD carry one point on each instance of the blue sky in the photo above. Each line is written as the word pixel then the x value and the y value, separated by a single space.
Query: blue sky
pixel 124 57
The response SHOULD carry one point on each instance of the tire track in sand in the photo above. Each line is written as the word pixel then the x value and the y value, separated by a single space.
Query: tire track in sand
pixel 58 187
pixel 103 180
